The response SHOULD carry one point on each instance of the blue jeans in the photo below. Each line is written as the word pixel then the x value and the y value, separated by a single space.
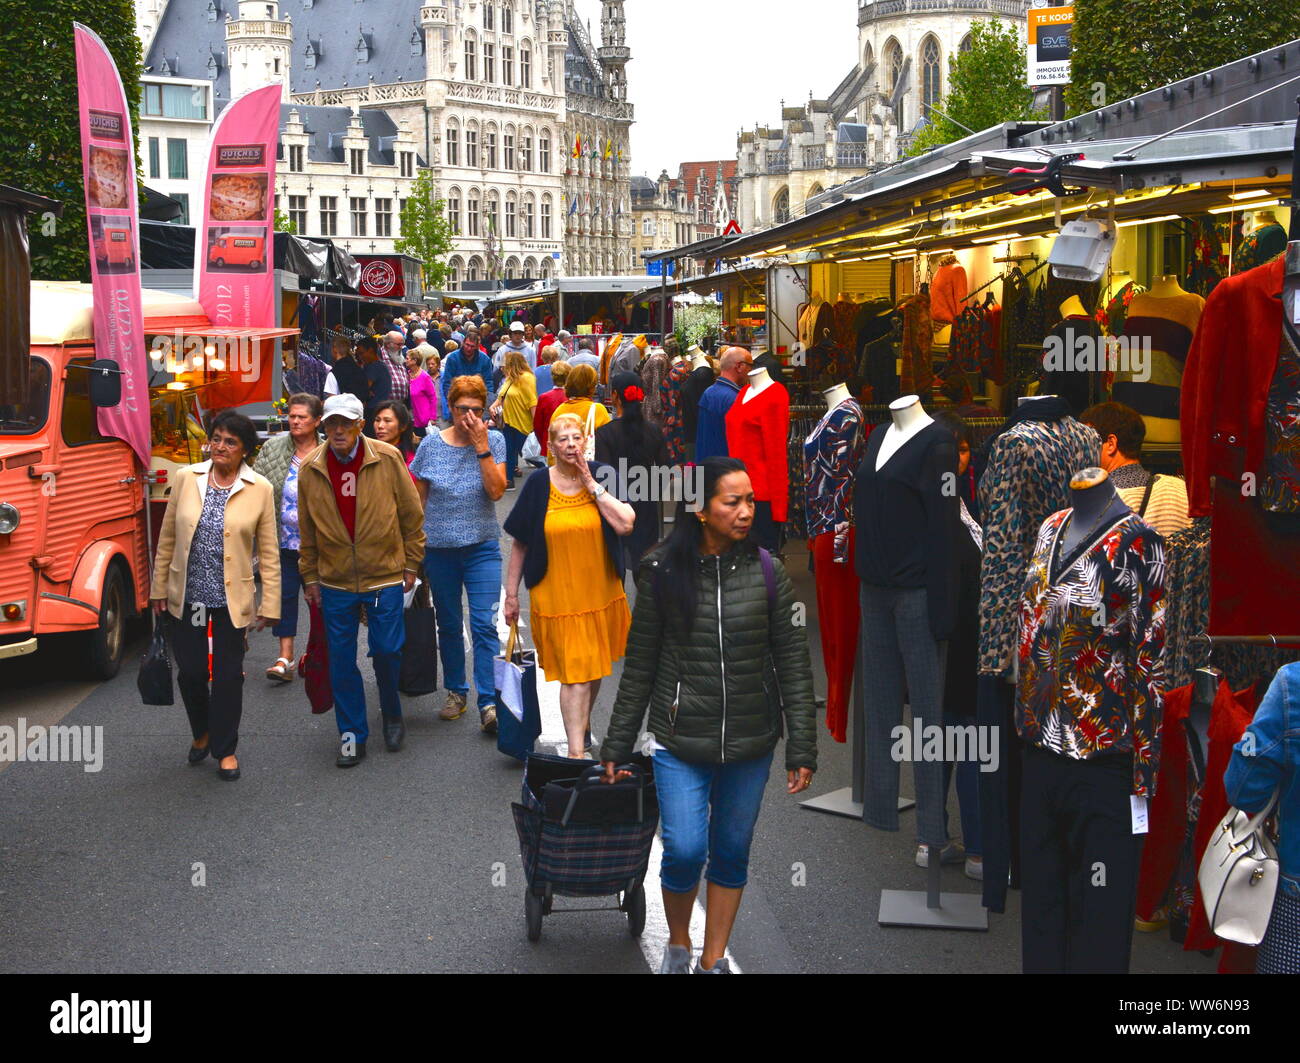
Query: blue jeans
pixel 968 803
pixel 386 634
pixel 515 440
pixel 290 585
pixel 707 811
pixel 476 569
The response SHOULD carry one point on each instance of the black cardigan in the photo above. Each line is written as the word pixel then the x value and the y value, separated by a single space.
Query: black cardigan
pixel 527 523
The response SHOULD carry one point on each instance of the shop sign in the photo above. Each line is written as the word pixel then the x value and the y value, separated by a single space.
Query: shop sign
pixel 1050 30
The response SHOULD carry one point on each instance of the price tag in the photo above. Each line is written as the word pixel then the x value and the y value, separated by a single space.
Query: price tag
pixel 1138 806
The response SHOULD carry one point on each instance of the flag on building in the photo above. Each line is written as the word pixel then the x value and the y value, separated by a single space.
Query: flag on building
pixel 609 149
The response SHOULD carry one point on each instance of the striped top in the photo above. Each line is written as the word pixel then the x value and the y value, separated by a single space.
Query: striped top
pixel 1168 324
pixel 1167 507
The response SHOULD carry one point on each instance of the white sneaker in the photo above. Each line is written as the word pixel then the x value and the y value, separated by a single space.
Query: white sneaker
pixel 952 854
pixel 723 966
pixel 677 960
pixel 975 868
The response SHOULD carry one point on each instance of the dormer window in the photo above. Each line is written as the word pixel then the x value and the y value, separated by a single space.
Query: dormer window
pixel 214 10
pixel 363 48
pixel 167 69
pixel 214 65
pixel 417 42
pixel 312 53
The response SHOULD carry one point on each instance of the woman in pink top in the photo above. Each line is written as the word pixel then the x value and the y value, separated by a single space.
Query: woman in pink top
pixel 425 409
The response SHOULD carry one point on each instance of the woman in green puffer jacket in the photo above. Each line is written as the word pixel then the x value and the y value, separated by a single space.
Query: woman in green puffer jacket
pixel 715 656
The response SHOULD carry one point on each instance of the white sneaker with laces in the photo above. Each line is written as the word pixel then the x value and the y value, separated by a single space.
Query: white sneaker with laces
pixel 677 960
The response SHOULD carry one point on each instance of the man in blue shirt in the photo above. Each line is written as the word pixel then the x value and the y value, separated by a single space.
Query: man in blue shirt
pixel 465 361
pixel 711 428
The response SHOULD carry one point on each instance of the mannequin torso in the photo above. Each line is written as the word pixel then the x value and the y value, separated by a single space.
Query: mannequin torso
pixel 835 395
pixel 1166 287
pixel 909 417
pixel 1096 505
pixel 759 381
pixel 700 361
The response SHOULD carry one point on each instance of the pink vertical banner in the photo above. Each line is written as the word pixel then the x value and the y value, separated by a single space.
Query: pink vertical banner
pixel 234 244
pixel 108 162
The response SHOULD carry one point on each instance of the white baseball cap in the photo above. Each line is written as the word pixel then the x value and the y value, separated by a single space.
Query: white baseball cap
pixel 348 406
pixel 516 326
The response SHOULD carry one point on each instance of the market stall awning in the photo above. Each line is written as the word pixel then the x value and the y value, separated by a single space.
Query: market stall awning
pixel 710 283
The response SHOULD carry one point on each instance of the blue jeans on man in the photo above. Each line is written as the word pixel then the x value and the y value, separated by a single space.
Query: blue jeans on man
pixel 477 571
pixel 707 812
pixel 386 635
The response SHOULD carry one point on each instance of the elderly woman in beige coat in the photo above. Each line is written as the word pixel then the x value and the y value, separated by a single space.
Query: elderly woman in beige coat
pixel 220 512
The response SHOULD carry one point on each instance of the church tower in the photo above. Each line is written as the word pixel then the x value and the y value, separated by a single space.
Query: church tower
pixel 614 52
pixel 258 48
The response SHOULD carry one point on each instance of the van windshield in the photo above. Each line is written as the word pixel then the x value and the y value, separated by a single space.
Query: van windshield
pixel 28 416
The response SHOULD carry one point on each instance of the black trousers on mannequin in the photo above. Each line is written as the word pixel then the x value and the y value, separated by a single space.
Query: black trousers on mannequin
pixel 214 711
pixel 1079 864
pixel 995 711
pixel 766 531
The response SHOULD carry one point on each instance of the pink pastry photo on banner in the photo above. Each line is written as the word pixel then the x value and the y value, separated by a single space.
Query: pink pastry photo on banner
pixel 233 260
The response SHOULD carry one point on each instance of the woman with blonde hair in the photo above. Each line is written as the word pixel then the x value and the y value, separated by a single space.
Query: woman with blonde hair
pixel 579 387
pixel 513 409
pixel 548 402
pixel 566 529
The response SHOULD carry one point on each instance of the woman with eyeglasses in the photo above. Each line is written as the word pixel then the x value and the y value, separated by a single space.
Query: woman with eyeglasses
pixel 220 511
pixel 460 472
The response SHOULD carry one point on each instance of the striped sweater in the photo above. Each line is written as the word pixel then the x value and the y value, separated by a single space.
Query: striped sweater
pixel 1168 324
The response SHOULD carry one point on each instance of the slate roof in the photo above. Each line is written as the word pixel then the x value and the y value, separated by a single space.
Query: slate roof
pixel 328 125
pixel 186 37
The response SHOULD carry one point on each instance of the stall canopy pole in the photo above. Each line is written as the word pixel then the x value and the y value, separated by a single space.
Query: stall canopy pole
pixel 663 297
pixel 1295 179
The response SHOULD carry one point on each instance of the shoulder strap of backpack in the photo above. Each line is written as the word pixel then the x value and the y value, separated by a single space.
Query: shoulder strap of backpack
pixel 1146 495
pixel 769 577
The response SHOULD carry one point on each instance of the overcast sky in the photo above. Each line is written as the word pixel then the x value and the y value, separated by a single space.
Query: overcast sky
pixel 702 70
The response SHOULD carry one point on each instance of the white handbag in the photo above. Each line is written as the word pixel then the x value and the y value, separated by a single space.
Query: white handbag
pixel 1238 876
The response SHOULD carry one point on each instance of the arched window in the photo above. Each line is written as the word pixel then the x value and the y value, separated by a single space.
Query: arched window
pixel 546 216
pixel 530 268
pixel 451 143
pixel 455 272
pixel 490 146
pixel 471 212
pixel 548 268
pixel 508 148
pixel 471 144
pixel 544 152
pixel 474 271
pixel 453 210
pixel 781 206
pixel 931 80
pixel 816 190
pixel 525 64
pixel 512 268
pixel 471 59
pixel 965 45
pixel 507 17
pixel 894 71
pixel 492 213
pixel 512 211
pixel 868 57
pixel 526 148
pixel 530 218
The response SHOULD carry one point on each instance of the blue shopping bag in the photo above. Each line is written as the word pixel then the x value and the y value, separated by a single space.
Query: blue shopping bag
pixel 519 717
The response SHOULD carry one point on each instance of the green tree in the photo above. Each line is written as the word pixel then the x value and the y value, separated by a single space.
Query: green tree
pixel 985 88
pixel 40 134
pixel 283 224
pixel 1125 47
pixel 426 232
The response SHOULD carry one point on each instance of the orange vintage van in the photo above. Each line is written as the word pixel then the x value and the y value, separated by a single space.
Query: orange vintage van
pixel 118 248
pixel 74 545
pixel 233 250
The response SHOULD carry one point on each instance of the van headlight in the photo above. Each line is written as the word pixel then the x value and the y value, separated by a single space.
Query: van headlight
pixel 9 517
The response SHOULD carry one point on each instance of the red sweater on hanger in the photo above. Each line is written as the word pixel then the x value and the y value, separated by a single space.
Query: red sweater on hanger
pixel 1226 380
pixel 756 435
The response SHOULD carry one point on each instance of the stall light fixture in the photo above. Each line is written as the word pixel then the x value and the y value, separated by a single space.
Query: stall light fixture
pixel 1253 194
pixel 176 385
pixel 996 239
pixel 1247 206
pixel 940 250
pixel 905 254
pixel 1146 221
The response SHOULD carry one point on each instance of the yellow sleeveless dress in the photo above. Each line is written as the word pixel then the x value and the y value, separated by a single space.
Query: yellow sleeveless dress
pixel 578 611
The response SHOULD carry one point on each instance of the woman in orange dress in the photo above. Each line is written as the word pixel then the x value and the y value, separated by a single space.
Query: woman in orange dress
pixel 566 527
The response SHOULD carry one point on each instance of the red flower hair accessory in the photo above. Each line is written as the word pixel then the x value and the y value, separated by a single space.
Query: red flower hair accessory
pixel 633 394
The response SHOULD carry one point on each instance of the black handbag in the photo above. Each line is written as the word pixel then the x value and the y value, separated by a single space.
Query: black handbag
pixel 155 678
pixel 419 674
pixel 587 800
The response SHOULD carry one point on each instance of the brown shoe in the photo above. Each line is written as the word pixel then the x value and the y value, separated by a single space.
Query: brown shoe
pixel 454 708
pixel 488 720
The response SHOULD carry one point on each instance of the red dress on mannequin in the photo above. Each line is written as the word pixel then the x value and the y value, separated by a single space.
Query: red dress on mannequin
pixel 756 434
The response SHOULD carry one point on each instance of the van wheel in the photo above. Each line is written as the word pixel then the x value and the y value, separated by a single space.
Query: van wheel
pixel 220 263
pixel 256 264
pixel 106 642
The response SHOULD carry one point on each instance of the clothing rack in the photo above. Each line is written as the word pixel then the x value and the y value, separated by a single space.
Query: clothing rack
pixel 986 284
pixel 1279 642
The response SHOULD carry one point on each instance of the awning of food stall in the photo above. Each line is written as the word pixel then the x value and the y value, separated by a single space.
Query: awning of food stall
pixel 711 282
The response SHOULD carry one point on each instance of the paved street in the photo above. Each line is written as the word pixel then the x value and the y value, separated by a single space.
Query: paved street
pixel 392 866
